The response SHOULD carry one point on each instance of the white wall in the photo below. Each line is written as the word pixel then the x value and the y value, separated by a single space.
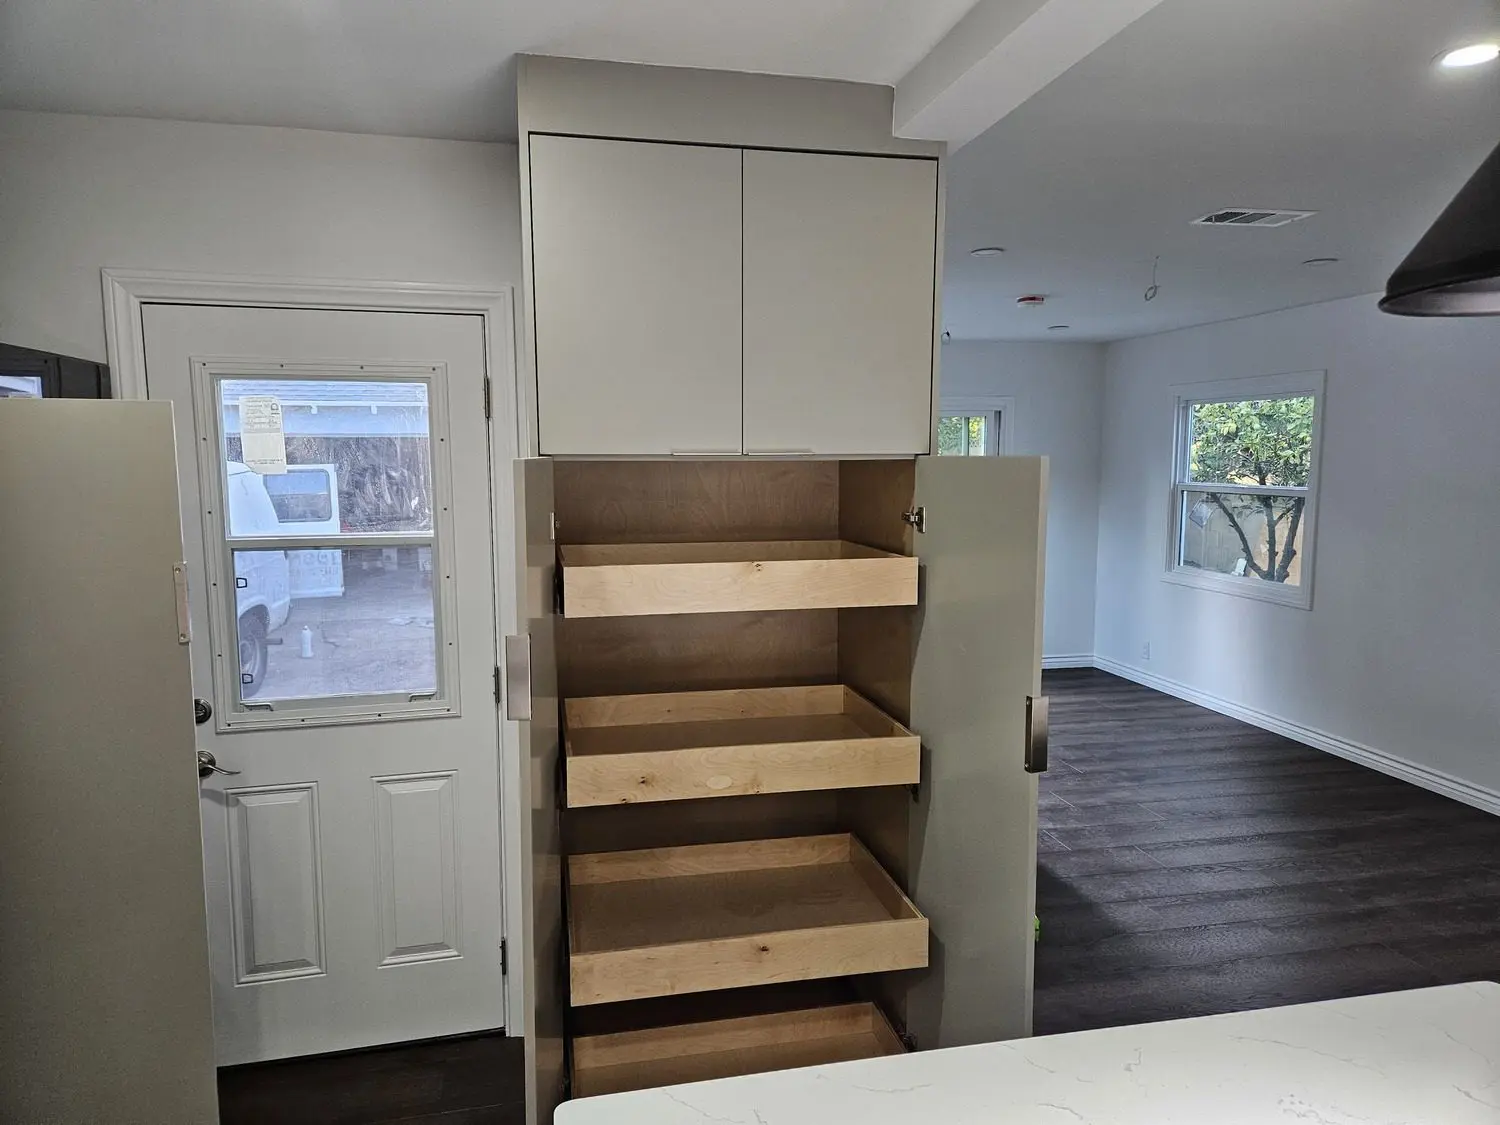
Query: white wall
pixel 81 193
pixel 1058 391
pixel 1398 658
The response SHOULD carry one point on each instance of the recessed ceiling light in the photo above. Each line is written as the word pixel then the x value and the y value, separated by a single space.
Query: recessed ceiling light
pixel 1475 54
pixel 1058 327
pixel 987 251
pixel 1321 262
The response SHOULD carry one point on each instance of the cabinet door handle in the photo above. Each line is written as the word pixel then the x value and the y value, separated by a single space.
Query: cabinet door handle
pixel 707 453
pixel 518 678
pixel 779 452
pixel 1037 708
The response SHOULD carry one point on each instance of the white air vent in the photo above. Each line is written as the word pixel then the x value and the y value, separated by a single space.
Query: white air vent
pixel 1252 217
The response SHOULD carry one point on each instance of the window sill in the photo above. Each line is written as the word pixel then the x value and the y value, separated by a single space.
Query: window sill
pixel 1296 597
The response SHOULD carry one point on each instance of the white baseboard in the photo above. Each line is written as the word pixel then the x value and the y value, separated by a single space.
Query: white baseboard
pixel 1425 776
pixel 1071 660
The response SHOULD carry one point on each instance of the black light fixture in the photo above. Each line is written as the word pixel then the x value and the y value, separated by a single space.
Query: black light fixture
pixel 1455 269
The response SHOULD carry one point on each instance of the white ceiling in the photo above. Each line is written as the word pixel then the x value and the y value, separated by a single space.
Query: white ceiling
pixel 1327 105
pixel 429 68
pixel 1193 105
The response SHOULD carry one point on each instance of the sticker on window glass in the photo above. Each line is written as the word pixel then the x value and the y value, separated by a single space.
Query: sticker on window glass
pixel 262 439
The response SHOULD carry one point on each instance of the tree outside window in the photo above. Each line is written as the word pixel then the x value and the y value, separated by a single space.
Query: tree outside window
pixel 969 433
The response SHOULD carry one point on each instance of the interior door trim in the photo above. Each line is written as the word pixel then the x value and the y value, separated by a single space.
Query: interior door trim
pixel 128 291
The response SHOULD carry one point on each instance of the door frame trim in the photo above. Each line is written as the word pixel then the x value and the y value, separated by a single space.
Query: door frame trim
pixel 127 291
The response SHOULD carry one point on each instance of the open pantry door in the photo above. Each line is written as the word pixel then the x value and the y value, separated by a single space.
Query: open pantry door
pixel 981 524
pixel 531 701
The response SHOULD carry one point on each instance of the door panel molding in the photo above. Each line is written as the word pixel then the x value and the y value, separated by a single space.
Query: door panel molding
pixel 416 849
pixel 276 856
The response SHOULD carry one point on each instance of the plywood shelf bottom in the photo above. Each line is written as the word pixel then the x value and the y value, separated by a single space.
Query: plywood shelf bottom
pixel 689 745
pixel 698 1052
pixel 669 921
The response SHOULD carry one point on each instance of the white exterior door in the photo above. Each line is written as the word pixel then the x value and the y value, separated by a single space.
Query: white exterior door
pixel 337 519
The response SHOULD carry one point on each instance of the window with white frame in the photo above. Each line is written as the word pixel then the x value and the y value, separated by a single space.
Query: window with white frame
pixel 330 537
pixel 1244 488
pixel 973 427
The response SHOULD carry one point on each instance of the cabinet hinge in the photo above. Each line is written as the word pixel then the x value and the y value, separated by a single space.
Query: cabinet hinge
pixel 486 396
pixel 908 1040
pixel 497 685
pixel 917 517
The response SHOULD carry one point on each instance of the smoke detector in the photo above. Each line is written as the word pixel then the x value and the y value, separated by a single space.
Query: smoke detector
pixel 1252 217
pixel 1031 301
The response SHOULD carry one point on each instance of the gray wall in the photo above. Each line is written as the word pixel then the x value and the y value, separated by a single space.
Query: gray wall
pixel 1396 661
pixel 80 193
pixel 1058 391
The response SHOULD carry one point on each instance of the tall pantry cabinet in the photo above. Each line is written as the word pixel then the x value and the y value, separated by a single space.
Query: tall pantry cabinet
pixel 777 678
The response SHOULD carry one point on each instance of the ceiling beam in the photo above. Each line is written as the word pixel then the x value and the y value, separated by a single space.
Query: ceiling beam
pixel 999 56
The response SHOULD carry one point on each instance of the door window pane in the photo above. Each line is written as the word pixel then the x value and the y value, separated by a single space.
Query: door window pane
pixel 372 439
pixel 320 623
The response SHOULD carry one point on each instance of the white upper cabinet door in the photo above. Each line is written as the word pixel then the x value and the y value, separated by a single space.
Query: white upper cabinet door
pixel 840 255
pixel 636 292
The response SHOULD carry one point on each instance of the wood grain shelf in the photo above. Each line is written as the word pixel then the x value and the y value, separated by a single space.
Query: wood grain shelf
pixel 641 579
pixel 629 749
pixel 697 1052
pixel 668 921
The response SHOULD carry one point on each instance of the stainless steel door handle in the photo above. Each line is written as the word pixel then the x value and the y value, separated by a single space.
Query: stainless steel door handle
pixel 208 764
pixel 1036 733
pixel 518 677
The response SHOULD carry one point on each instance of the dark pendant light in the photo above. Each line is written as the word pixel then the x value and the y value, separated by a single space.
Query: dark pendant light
pixel 1455 269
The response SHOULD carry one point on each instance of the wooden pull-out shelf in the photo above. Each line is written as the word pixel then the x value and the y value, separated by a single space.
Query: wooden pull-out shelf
pixel 697 1052
pixel 636 579
pixel 625 749
pixel 668 921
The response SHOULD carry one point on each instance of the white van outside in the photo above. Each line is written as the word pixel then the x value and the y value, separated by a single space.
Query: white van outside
pixel 306 502
pixel 302 501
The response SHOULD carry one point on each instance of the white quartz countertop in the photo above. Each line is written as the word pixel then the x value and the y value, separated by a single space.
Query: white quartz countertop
pixel 1426 1057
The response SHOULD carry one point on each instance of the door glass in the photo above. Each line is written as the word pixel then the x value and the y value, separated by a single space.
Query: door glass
pixel 331 499
pixel 373 439
pixel 316 624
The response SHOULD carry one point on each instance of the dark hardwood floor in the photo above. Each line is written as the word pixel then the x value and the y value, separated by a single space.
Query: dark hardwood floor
pixel 473 1081
pixel 1189 864
pixel 1192 864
